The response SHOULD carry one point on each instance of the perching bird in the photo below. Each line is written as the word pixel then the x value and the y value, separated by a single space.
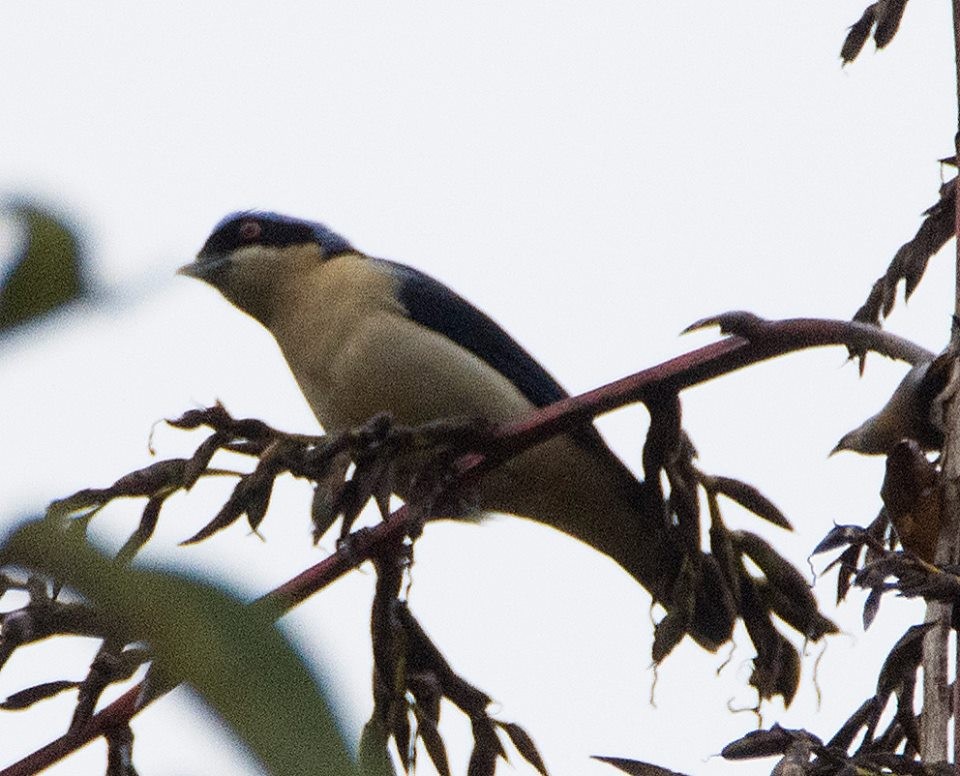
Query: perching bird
pixel 364 336
pixel 914 411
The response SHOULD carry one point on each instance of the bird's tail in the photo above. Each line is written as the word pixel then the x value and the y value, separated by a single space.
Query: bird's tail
pixel 586 492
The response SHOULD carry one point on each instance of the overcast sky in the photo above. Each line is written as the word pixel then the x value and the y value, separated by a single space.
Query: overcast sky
pixel 595 176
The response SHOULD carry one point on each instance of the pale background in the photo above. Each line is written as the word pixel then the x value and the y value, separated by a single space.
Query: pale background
pixel 595 176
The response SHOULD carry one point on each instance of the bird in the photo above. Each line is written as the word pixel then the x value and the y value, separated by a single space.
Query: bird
pixel 364 336
pixel 914 411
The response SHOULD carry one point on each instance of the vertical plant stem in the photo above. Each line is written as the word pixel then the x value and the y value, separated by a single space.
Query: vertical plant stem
pixel 936 686
pixel 938 698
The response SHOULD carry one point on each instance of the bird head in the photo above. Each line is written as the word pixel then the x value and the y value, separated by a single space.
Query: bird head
pixel 914 411
pixel 250 254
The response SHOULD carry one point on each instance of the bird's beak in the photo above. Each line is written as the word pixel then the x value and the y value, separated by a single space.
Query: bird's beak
pixel 207 268
pixel 190 270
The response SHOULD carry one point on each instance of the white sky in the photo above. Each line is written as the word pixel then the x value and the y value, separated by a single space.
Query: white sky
pixel 595 176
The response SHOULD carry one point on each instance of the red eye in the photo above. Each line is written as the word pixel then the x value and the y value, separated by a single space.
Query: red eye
pixel 250 231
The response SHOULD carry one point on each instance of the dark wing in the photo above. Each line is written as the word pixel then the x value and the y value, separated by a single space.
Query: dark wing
pixel 432 304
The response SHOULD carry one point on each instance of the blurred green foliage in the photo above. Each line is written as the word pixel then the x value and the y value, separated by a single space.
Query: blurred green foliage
pixel 47 271
pixel 229 652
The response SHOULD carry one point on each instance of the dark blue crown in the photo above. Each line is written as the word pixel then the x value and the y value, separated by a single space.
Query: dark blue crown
pixel 275 229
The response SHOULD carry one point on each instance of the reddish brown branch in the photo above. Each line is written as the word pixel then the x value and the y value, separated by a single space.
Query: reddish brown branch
pixel 756 340
pixel 117 715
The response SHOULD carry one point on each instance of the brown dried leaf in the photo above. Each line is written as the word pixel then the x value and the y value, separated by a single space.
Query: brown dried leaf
pixel 803 617
pixel 250 496
pixel 765 743
pixel 781 574
pixel 214 417
pixel 83 499
pixel 858 34
pixel 751 499
pixel 891 740
pixel 197 465
pixel 858 538
pixel 776 669
pixel 715 607
pixel 158 478
pixel 26 698
pixel 840 536
pixel 423 656
pixel 486 748
pixel 675 624
pixel 372 478
pixel 636 767
pixel 668 633
pixel 889 14
pixel 905 714
pixel 684 504
pixel 148 522
pixel 756 615
pixel 721 547
pixel 866 716
pixel 871 606
pixel 327 495
pixel 253 429
pixel 257 498
pixel 903 660
pixel 911 259
pixel 773 665
pixel 796 761
pixel 427 691
pixel 483 762
pixel 430 735
pixel 400 730
pixel 349 503
pixel 788 672
pixel 383 488
pixel 524 744
pixel 229 513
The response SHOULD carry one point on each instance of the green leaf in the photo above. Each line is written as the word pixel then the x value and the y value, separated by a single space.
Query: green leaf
pixel 232 654
pixel 46 274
